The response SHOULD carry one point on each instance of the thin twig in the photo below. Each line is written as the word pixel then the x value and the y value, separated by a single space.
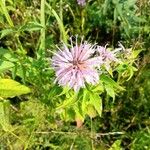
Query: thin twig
pixel 57 132
pixel 109 133
pixel 74 133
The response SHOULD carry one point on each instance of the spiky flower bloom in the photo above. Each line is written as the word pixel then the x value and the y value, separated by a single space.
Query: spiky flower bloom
pixel 107 56
pixel 81 2
pixel 76 65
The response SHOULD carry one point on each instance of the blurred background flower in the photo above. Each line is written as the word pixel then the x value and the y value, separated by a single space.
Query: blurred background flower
pixel 81 2
pixel 107 56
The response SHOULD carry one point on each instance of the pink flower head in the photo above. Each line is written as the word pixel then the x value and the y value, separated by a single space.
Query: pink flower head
pixel 76 65
pixel 106 54
pixel 81 2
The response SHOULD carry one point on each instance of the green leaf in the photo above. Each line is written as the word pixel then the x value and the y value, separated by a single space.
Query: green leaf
pixel 107 80
pixel 85 100
pixel 116 145
pixel 6 32
pixel 68 114
pixel 136 53
pixel 31 26
pixel 91 111
pixel 5 12
pixel 10 57
pixel 11 88
pixel 69 101
pixel 4 115
pixel 131 71
pixel 98 88
pixel 5 65
pixel 7 55
pixel 78 114
pixel 122 67
pixel 96 101
pixel 3 51
pixel 110 90
pixel 64 91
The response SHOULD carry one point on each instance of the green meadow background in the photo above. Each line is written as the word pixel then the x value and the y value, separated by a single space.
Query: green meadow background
pixel 29 118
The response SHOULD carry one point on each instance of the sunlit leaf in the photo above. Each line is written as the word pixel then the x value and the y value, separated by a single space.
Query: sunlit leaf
pixel 91 111
pixel 5 65
pixel 131 71
pixel 5 12
pixel 96 101
pixel 11 88
pixel 85 100
pixel 79 117
pixel 68 102
pixel 6 32
pixel 107 80
pixel 116 145
pixel 136 53
pixel 110 90
pixel 4 115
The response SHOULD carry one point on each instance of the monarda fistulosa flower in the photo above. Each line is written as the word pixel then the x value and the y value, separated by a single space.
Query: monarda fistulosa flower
pixel 107 56
pixel 76 65
pixel 81 2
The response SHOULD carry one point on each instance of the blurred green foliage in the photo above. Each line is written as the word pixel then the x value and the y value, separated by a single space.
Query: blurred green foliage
pixel 30 121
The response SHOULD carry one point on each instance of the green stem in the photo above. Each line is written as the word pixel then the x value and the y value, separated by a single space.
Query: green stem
pixel 92 143
pixel 4 10
pixel 61 16
pixel 82 20
pixel 42 19
pixel 61 10
pixel 16 136
pixel 60 23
